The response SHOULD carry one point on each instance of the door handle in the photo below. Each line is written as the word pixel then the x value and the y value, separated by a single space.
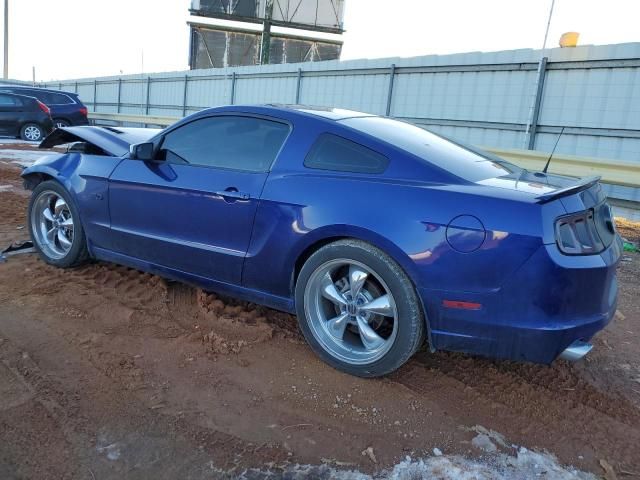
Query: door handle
pixel 233 193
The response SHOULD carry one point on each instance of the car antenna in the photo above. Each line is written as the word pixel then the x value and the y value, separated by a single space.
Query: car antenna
pixel 546 167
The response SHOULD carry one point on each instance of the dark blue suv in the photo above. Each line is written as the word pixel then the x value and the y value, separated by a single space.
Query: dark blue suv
pixel 66 107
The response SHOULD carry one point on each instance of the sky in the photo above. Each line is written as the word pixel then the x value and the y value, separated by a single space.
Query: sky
pixel 66 39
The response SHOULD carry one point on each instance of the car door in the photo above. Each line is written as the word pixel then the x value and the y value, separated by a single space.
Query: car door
pixel 10 108
pixel 193 208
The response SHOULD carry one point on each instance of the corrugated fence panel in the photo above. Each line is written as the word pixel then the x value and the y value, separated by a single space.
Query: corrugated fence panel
pixel 203 93
pixel 490 96
pixel 166 93
pixel 265 90
pixel 85 91
pixel 365 93
pixel 133 93
pixel 597 98
pixel 481 98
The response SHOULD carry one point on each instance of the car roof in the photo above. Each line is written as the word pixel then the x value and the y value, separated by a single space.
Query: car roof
pixel 317 112
pixel 325 112
pixel 17 95
pixel 37 89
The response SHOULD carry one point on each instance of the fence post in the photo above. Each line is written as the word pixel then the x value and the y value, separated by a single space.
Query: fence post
pixel 184 96
pixel 233 87
pixel 119 93
pixel 533 125
pixel 95 95
pixel 76 87
pixel 298 86
pixel 392 75
pixel 146 110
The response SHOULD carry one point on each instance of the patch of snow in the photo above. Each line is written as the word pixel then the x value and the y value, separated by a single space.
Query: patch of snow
pixel 112 450
pixel 13 141
pixel 483 442
pixel 24 158
pixel 524 465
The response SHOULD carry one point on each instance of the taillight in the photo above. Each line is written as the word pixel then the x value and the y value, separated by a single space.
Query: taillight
pixel 43 107
pixel 83 111
pixel 577 234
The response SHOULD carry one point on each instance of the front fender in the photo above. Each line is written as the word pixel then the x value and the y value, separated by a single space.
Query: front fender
pixel 85 177
pixel 59 167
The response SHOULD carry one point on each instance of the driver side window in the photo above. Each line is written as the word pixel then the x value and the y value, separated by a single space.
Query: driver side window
pixel 231 142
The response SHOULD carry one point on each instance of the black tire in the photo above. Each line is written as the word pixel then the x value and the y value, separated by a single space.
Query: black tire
pixel 77 253
pixel 32 132
pixel 60 122
pixel 410 318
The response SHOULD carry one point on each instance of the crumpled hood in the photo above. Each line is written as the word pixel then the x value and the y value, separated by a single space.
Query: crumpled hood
pixel 113 140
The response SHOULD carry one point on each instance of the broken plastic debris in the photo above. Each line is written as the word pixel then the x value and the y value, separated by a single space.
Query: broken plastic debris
pixel 17 248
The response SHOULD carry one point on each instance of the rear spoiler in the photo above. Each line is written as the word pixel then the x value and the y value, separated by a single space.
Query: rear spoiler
pixel 581 185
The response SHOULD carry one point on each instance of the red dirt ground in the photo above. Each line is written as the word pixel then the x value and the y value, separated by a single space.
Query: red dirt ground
pixel 107 372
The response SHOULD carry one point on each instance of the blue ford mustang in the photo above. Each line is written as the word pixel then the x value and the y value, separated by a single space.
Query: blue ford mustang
pixel 376 233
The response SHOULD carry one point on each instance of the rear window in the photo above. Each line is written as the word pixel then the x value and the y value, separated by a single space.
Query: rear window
pixel 465 162
pixel 51 98
pixel 331 152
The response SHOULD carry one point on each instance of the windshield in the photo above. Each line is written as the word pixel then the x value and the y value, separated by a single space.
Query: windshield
pixel 461 160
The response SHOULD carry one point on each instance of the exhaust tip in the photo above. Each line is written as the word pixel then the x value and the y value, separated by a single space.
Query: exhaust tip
pixel 576 351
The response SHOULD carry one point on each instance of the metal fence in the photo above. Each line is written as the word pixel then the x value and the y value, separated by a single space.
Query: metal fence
pixel 508 99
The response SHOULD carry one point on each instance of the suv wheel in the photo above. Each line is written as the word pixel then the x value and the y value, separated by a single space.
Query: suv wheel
pixel 32 132
pixel 60 123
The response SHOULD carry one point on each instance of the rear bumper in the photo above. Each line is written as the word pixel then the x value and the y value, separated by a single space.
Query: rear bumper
pixel 544 308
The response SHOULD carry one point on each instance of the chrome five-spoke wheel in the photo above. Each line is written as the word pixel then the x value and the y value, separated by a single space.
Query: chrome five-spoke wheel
pixel 358 309
pixel 351 311
pixel 52 224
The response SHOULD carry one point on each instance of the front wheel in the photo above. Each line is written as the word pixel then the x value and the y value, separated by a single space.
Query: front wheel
pixel 358 309
pixel 54 225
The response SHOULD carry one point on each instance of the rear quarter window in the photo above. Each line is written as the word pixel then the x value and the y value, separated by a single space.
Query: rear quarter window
pixel 9 101
pixel 334 153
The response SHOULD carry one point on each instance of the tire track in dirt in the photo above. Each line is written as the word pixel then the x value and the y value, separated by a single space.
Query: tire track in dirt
pixel 13 214
pixel 161 307
pixel 82 407
pixel 533 402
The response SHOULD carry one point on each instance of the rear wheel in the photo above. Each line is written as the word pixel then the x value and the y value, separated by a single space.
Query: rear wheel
pixel 54 224
pixel 358 309
pixel 32 132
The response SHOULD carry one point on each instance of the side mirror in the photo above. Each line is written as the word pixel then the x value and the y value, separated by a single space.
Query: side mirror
pixel 142 151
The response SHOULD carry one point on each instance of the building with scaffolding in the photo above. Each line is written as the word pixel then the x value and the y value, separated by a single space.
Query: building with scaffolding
pixel 221 45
